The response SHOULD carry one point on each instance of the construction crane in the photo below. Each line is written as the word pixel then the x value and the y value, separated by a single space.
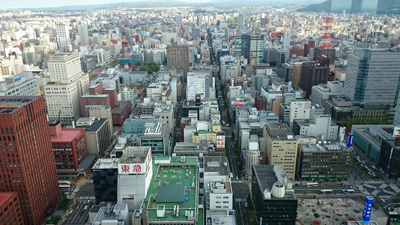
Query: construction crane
pixel 126 60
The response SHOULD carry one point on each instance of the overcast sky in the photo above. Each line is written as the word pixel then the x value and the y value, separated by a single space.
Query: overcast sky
pixel 57 3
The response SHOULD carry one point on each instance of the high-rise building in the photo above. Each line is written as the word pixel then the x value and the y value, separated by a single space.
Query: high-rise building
pixel 199 20
pixel 373 77
pixel 62 35
pixel 326 52
pixel 178 58
pixel 31 168
pixel 105 178
pixel 178 19
pixel 286 43
pixel 313 73
pixel 197 83
pixel 241 21
pixel 10 209
pixel 251 46
pixel 274 199
pixel 67 85
pixel 83 34
pixel 281 147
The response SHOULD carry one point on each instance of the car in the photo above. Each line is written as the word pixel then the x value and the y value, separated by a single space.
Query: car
pixel 245 204
pixel 67 193
pixel 86 207
pixel 237 178
pixel 344 185
pixel 71 211
pixel 351 187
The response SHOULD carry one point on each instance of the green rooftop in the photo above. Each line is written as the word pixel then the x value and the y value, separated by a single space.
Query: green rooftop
pixel 183 176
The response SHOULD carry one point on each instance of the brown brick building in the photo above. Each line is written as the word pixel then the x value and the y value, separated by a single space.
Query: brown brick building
pixel 178 58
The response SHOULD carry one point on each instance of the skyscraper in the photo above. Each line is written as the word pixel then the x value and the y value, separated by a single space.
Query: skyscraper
pixel 83 34
pixel 178 58
pixel 373 77
pixel 28 165
pixel 199 20
pixel 241 21
pixel 313 73
pixel 251 46
pixel 62 35
pixel 197 83
pixel 178 19
pixel 286 44
pixel 67 84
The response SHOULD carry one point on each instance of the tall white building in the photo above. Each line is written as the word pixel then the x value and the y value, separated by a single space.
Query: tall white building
pixel 83 34
pixel 127 94
pixel 134 175
pixel 178 19
pixel 67 84
pixel 252 155
pixel 286 43
pixel 199 20
pixel 241 21
pixel 197 83
pixel 62 35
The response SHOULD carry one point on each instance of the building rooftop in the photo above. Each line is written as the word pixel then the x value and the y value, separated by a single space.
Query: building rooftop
pixel 120 107
pixel 325 146
pixel 134 154
pixel 106 163
pixel 4 196
pixel 216 165
pixel 162 109
pixel 95 125
pixel 11 104
pixel 270 176
pixel 179 177
pixel 279 132
pixel 116 213
pixel 67 135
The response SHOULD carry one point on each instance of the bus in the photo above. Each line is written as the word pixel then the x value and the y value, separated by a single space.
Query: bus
pixel 326 191
pixel 64 184
pixel 312 184
pixel 348 190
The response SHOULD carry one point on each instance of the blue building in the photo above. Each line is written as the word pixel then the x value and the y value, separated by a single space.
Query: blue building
pixel 135 124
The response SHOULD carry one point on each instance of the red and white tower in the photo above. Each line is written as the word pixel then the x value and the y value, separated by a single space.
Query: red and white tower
pixel 326 32
pixel 126 59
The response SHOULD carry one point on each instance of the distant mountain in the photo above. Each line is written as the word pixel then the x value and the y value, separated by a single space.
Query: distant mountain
pixel 356 6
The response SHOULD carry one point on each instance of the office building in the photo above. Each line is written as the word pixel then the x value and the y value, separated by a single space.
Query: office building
pixel 178 58
pixel 364 83
pixel 98 136
pixel 325 52
pixel 389 156
pixel 313 73
pixel 251 46
pixel 33 157
pixel 105 178
pixel 281 147
pixel 319 125
pixel 121 112
pixel 178 19
pixel 318 159
pixel 62 35
pixel 199 20
pixel 83 34
pixel 10 209
pixel 67 85
pixel 294 110
pixel 273 196
pixel 286 43
pixel 241 21
pixel 23 84
pixel 70 151
pixel 252 155
pixel 322 92
pixel 197 84
pixel 296 74
pixel 101 111
pixel 157 136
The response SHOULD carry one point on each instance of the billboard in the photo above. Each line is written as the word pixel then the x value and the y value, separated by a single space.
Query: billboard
pixel 224 47
pixel 131 168
pixel 396 132
pixel 236 104
pixel 350 140
pixel 220 141
pixel 17 79
pixel 367 209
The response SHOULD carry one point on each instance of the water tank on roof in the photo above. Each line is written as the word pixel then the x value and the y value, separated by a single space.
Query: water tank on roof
pixel 278 190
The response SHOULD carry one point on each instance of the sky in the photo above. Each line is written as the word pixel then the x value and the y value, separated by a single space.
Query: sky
pixel 57 3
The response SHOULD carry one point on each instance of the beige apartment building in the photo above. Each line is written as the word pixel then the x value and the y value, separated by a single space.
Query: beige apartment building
pixel 281 147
